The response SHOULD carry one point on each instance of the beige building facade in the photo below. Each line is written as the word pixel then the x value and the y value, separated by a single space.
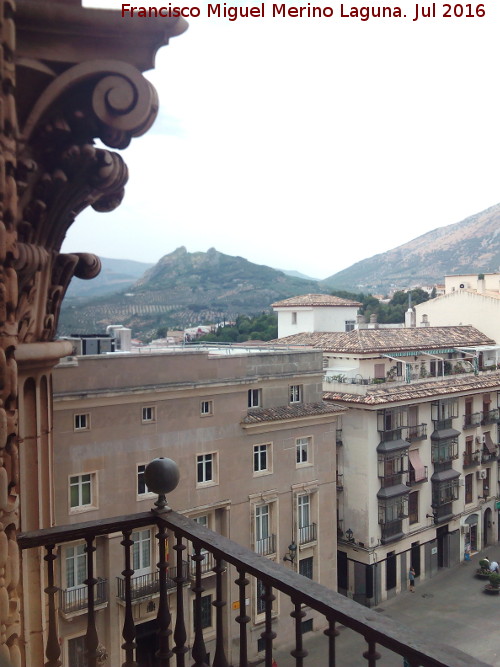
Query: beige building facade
pixel 418 457
pixel 255 445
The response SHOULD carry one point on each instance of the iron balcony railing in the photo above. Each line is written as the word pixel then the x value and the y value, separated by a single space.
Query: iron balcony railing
pixel 487 456
pixel 409 433
pixel 172 647
pixel 207 564
pixel 266 545
pixel 307 533
pixel 393 480
pixel 75 599
pixel 411 477
pixel 391 530
pixel 146 585
pixel 490 416
pixel 471 459
pixel 472 420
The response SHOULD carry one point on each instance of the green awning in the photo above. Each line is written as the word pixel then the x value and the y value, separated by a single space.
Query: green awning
pixel 411 353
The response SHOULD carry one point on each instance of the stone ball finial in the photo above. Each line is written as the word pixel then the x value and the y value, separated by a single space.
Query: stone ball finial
pixel 161 476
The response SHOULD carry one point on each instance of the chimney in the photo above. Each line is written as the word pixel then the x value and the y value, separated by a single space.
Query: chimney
pixel 425 321
pixel 410 318
pixel 361 322
pixel 373 321
pixel 480 283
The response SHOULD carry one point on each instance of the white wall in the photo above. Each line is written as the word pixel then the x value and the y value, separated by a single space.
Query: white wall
pixel 314 319
pixel 462 307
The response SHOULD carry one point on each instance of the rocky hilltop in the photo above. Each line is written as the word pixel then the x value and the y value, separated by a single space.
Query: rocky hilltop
pixel 184 289
pixel 463 247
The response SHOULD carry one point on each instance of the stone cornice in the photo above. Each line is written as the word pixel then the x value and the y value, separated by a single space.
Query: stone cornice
pixel 72 34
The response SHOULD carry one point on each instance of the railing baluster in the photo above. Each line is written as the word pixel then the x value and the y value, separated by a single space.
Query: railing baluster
pixel 199 652
pixel 298 653
pixel 53 649
pixel 164 619
pixel 268 635
pixel 180 634
pixel 242 619
pixel 91 638
pixel 331 632
pixel 371 654
pixel 219 603
pixel 128 632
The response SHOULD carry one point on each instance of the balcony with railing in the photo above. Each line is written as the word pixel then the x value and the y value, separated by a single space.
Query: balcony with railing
pixel 307 533
pixel 490 416
pixel 147 585
pixel 391 530
pixel 72 600
pixel 207 564
pixel 472 420
pixel 245 566
pixel 412 477
pixel 472 459
pixel 266 546
pixel 408 433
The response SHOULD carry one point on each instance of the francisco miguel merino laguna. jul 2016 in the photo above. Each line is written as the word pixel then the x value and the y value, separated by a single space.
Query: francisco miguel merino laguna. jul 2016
pixel 363 13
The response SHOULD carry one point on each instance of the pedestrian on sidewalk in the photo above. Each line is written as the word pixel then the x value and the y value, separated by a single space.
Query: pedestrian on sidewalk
pixel 411 577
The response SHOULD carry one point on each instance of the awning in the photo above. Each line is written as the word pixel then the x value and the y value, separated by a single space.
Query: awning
pixel 411 353
pixel 393 491
pixel 417 465
pixel 445 475
pixel 392 445
pixel 489 444
pixel 445 434
pixel 471 520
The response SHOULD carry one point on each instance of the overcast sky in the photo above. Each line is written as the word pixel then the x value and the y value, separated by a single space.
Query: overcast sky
pixel 310 144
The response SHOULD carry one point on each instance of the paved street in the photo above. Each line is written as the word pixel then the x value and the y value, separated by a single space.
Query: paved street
pixel 450 608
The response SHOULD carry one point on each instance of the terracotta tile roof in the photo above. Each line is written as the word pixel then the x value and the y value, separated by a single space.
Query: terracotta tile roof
pixel 285 412
pixel 315 300
pixel 397 392
pixel 390 340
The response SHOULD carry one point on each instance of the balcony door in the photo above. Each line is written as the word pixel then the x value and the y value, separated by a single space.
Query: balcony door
pixel 76 566
pixel 304 518
pixel 262 529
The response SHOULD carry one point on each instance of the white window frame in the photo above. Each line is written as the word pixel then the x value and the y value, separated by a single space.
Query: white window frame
pixel 262 512
pixel 207 408
pixel 350 325
pixel 259 450
pixel 255 398
pixel 142 552
pixel 304 451
pixel 148 414
pixel 78 481
pixel 140 472
pixel 295 393
pixel 81 421
pixel 203 460
pixel 79 556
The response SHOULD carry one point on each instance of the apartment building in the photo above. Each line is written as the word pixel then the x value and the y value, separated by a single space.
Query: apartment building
pixel 315 313
pixel 467 299
pixel 255 445
pixel 418 457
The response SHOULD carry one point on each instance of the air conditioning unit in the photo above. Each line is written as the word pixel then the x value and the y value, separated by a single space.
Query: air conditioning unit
pixel 482 474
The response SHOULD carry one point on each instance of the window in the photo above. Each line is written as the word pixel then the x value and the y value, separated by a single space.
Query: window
pixel 443 411
pixel 142 488
pixel 468 488
pixel 82 422
pixel 206 408
pixel 392 420
pixel 81 491
pixel 306 626
pixel 260 592
pixel 76 652
pixel 303 450
pixel 443 451
pixel 76 566
pixel 264 539
pixel 261 458
pixel 294 318
pixel 413 507
pixel 393 509
pixel 349 325
pixel 254 398
pixel 141 552
pixel 444 492
pixel 306 567
pixel 296 393
pixel 148 414
pixel 206 611
pixel 206 471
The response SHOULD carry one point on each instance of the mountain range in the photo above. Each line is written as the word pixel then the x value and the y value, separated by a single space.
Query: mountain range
pixel 185 289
